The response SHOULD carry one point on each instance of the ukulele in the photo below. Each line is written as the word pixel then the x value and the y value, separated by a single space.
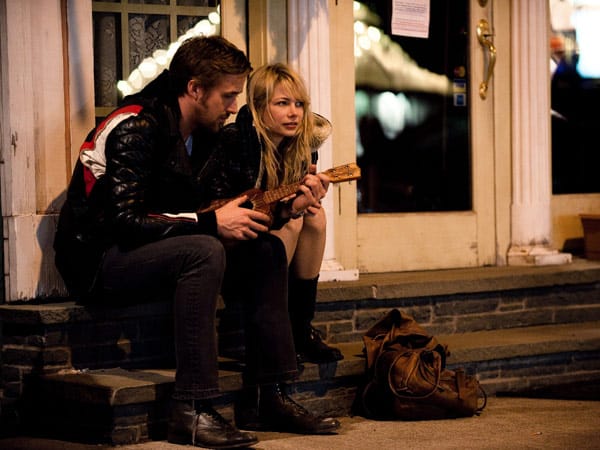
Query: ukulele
pixel 262 201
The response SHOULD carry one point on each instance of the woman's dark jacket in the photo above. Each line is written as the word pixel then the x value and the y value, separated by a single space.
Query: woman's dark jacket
pixel 149 181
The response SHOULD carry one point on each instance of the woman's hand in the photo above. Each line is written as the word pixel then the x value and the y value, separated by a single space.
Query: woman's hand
pixel 314 187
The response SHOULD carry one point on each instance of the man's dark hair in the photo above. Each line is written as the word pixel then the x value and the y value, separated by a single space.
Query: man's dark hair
pixel 206 59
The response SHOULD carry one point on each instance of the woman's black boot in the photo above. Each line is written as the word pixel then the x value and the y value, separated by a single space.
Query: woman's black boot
pixel 302 300
pixel 269 408
pixel 197 423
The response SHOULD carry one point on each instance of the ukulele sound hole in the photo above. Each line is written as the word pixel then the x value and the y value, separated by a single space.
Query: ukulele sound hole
pixel 247 204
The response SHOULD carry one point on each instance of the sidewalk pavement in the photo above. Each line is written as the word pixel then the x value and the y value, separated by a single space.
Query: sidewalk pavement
pixel 506 423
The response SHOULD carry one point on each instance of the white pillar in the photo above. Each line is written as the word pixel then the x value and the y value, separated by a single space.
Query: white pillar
pixel 308 53
pixel 531 147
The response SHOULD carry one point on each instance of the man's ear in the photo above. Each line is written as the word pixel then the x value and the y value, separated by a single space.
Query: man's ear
pixel 194 89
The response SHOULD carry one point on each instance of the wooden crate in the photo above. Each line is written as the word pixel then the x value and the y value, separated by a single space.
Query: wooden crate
pixel 591 235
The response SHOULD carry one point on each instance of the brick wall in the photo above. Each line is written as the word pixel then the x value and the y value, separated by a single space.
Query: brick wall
pixel 461 313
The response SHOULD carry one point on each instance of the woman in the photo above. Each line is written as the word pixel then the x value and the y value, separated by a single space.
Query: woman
pixel 274 142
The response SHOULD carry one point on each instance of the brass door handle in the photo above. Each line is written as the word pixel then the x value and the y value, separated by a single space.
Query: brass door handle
pixel 483 35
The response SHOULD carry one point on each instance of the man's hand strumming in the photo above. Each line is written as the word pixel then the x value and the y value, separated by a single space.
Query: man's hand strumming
pixel 234 222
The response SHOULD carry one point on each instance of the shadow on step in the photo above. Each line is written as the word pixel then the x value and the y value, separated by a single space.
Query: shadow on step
pixel 587 391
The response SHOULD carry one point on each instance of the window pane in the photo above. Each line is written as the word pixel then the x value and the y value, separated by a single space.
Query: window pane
pixel 198 3
pixel 147 32
pixel 184 23
pixel 150 2
pixel 107 57
pixel 575 96
pixel 412 111
pixel 131 39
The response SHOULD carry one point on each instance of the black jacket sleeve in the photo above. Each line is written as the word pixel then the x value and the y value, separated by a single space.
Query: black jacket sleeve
pixel 134 152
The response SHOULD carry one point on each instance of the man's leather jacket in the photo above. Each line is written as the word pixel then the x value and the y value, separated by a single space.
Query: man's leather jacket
pixel 133 184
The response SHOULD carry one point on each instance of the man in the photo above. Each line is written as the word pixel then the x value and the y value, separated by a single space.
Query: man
pixel 129 230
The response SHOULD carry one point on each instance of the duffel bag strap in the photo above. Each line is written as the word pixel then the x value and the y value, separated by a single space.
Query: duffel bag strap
pixel 412 372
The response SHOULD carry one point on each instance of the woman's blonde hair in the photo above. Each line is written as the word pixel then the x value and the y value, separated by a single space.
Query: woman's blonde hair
pixel 293 164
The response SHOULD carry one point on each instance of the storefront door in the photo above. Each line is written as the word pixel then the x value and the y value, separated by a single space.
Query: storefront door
pixel 426 137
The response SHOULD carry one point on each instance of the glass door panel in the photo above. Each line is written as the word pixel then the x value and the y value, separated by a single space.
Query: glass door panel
pixel 425 141
pixel 412 111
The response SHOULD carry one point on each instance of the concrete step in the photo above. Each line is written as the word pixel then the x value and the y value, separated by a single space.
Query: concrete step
pixel 121 406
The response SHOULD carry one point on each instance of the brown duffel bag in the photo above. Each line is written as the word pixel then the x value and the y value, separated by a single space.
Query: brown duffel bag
pixel 406 376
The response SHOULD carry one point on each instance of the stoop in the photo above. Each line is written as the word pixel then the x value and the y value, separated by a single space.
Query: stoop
pixel 102 374
pixel 120 406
